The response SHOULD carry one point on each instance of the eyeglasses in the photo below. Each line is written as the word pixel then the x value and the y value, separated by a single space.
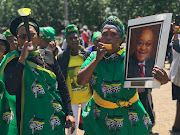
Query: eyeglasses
pixel 24 36
pixel 146 44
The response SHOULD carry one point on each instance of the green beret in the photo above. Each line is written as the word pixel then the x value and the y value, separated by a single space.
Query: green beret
pixel 47 33
pixel 96 34
pixel 7 33
pixel 71 29
pixel 113 20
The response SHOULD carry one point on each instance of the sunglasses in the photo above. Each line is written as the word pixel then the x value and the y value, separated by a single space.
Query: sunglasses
pixel 24 36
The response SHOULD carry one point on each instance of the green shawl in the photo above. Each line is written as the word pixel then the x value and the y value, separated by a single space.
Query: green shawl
pixel 41 110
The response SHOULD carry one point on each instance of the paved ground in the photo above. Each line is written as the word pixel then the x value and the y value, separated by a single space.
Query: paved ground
pixel 164 107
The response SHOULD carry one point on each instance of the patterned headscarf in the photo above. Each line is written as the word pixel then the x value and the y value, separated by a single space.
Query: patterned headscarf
pixel 114 21
pixel 7 33
pixel 71 29
pixel 47 33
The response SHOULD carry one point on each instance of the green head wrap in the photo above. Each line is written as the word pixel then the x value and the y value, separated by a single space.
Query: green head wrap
pixel 71 29
pixel 7 33
pixel 96 34
pixel 47 33
pixel 113 20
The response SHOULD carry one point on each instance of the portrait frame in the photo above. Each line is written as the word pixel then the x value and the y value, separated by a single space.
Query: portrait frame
pixel 160 26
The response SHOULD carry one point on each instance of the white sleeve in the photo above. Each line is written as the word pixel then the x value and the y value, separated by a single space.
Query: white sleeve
pixel 64 45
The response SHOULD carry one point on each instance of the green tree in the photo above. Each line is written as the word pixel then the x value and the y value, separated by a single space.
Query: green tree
pixel 85 12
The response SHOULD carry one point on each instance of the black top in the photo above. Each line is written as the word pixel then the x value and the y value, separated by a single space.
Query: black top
pixel 13 78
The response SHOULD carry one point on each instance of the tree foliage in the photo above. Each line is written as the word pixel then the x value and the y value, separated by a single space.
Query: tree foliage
pixel 81 12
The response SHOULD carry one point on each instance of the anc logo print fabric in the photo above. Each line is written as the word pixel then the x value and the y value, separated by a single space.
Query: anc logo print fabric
pixel 44 111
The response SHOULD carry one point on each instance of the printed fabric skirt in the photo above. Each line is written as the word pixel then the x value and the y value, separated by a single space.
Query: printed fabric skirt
pixel 133 120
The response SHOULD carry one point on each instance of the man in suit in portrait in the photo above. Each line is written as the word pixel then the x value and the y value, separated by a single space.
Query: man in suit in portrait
pixel 140 63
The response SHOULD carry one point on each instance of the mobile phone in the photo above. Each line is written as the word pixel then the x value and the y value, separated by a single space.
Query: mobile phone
pixel 177 20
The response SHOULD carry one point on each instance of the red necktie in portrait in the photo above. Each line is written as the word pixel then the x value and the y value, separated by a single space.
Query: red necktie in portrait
pixel 142 72
pixel 140 90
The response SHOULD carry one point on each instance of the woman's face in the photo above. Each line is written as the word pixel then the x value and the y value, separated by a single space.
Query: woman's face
pixel 42 42
pixel 111 36
pixel 73 40
pixel 13 42
pixel 22 37
pixel 2 47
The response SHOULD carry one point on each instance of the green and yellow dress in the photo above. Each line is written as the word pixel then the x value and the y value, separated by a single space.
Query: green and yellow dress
pixel 41 110
pixel 113 110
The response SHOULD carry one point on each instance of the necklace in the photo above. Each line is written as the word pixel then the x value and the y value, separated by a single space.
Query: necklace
pixel 42 60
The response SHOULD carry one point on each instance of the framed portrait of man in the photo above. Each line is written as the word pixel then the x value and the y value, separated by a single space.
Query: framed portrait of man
pixel 146 46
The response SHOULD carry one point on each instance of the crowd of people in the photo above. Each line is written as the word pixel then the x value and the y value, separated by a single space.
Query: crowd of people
pixel 41 89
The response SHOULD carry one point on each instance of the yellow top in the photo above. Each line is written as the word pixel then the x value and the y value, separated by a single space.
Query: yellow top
pixel 78 94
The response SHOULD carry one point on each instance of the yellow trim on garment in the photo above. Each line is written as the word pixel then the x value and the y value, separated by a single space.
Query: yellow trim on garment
pixel 39 122
pixel 6 113
pixel 132 113
pixel 110 105
pixel 113 85
pixel 97 109
pixel 119 119
pixel 56 104
pixel 116 119
pixel 56 117
pixel 40 68
pixel 122 49
pixel 130 102
pixel 38 85
pixel 5 62
pixel 94 76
